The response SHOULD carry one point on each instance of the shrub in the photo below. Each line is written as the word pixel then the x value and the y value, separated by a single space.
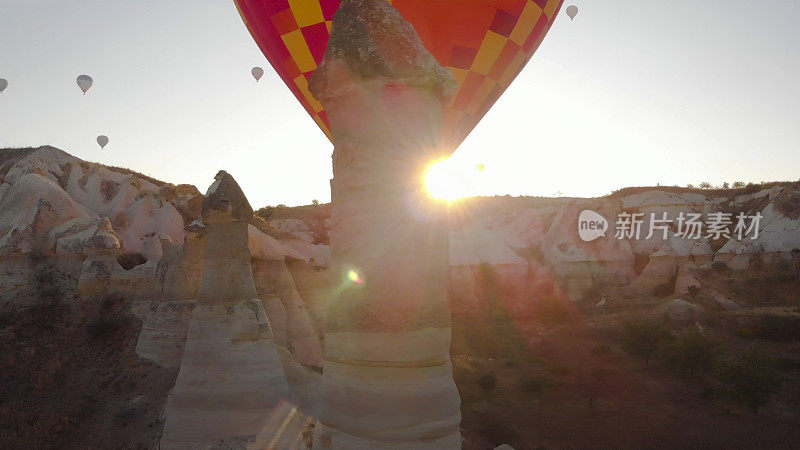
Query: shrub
pixel 787 364
pixel 47 285
pixel 694 291
pixel 719 266
pixel 533 384
pixel 593 382
pixel 745 333
pixel 642 337
pixel 778 328
pixel 601 349
pixel 788 204
pixel 497 431
pixel 103 329
pixel 553 310
pixel 488 382
pixel 265 212
pixel 751 188
pixel 690 353
pixel 319 231
pixel 753 379
pixel 712 392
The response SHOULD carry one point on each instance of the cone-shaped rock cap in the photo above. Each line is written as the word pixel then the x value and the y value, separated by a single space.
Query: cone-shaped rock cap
pixel 226 196
pixel 372 40
pixel 104 238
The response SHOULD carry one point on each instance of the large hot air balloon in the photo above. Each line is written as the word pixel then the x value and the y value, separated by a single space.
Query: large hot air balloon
pixel 485 43
pixel 3 85
pixel 257 72
pixel 572 11
pixel 84 82
pixel 102 140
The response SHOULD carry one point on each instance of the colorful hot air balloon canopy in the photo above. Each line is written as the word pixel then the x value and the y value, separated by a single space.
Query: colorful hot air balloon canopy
pixel 485 43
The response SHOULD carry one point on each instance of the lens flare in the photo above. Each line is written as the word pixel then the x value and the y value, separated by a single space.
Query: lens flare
pixel 354 277
pixel 448 180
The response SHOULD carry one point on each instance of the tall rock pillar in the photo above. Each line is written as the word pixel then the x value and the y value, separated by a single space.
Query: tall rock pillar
pixel 387 375
pixel 231 390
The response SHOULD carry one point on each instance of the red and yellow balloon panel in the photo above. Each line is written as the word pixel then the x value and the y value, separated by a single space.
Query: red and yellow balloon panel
pixel 485 43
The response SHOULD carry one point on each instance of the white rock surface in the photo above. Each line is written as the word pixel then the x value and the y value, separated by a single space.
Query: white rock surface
pixel 725 302
pixel 679 310
pixel 685 280
pixel 387 376
pixel 231 390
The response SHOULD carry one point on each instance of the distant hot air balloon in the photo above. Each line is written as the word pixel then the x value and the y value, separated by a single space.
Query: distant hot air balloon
pixel 480 167
pixel 485 43
pixel 3 85
pixel 102 140
pixel 572 11
pixel 85 82
pixel 257 72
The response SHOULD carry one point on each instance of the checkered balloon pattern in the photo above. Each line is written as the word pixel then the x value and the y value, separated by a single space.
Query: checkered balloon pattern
pixel 485 43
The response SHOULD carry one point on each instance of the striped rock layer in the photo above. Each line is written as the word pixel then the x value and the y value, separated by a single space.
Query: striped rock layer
pixel 231 390
pixel 387 378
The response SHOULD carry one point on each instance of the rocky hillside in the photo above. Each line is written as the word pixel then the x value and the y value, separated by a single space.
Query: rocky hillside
pixel 104 254
pixel 536 241
pixel 82 216
pixel 58 207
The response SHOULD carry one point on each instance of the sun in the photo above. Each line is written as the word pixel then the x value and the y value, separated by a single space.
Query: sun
pixel 447 180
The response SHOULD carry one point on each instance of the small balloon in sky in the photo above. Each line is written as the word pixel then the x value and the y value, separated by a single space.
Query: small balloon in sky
pixel 480 167
pixel 257 72
pixel 102 140
pixel 84 82
pixel 3 85
pixel 572 11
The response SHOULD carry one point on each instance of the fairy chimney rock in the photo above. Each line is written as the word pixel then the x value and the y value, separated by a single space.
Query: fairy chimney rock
pixel 225 201
pixel 369 41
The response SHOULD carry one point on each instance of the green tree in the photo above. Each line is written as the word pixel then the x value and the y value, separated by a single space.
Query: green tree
pixel 753 378
pixel 690 353
pixel 642 337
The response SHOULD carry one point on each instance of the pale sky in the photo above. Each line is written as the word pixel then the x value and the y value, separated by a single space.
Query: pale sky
pixel 633 92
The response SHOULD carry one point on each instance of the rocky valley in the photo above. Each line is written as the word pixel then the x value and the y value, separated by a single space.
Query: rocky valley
pixel 121 294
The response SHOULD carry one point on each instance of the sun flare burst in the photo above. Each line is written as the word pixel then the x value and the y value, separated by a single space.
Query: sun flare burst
pixel 450 180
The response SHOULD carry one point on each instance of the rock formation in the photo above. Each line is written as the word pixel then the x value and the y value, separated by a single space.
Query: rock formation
pixel 274 282
pixel 231 391
pixel 578 265
pixel 52 203
pixel 387 374
pixel 72 230
pixel 186 280
pixel 101 271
